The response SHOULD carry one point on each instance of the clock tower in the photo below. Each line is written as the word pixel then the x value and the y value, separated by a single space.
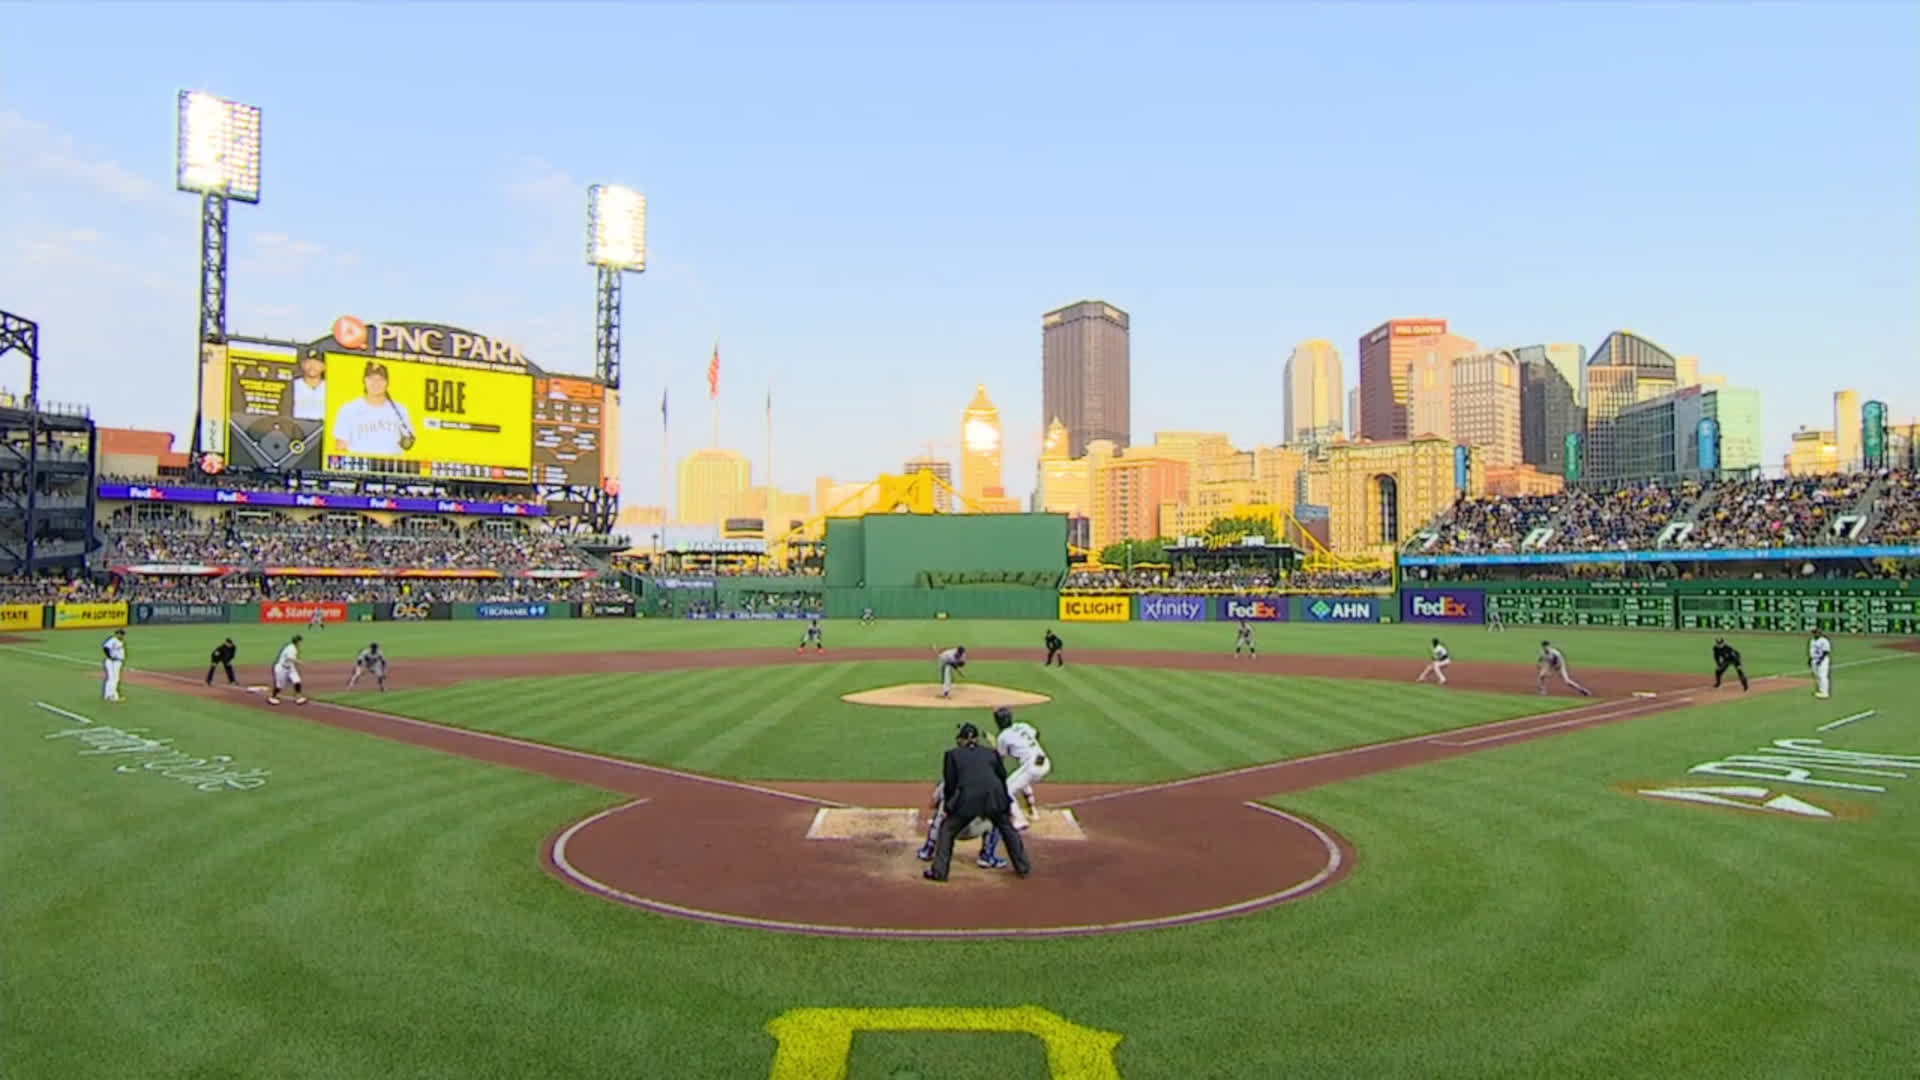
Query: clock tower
pixel 980 438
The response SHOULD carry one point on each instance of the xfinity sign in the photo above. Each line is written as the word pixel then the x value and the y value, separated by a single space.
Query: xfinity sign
pixel 1152 608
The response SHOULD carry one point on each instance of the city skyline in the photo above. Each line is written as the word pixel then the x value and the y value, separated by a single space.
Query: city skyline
pixel 818 274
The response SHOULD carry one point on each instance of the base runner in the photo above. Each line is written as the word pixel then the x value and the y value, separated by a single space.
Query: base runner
pixel 1551 661
pixel 1437 667
pixel 286 672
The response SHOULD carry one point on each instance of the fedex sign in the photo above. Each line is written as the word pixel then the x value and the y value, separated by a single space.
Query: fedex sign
pixel 1254 608
pixel 1443 605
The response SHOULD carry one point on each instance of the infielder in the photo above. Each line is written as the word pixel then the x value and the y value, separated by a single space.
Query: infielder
pixel 1820 659
pixel 286 672
pixel 951 662
pixel 1551 660
pixel 371 661
pixel 317 620
pixel 866 616
pixel 1437 667
pixel 115 651
pixel 977 827
pixel 1493 619
pixel 813 636
pixel 1245 640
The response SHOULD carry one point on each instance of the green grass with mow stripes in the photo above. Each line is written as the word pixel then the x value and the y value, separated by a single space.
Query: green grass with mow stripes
pixel 377 910
pixel 1104 724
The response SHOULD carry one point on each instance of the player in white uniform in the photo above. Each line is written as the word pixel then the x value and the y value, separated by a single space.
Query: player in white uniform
pixel 1820 659
pixel 1551 660
pixel 286 672
pixel 1021 742
pixel 115 651
pixel 1438 666
pixel 371 661
pixel 951 662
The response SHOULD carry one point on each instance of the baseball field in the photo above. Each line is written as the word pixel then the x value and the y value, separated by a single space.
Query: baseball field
pixel 620 849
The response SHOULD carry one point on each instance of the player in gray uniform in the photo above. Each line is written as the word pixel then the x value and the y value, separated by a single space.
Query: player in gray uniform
pixel 951 662
pixel 813 636
pixel 1244 642
pixel 371 661
pixel 979 828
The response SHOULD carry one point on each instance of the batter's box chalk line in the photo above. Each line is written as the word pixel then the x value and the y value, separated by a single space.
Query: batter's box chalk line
pixel 906 824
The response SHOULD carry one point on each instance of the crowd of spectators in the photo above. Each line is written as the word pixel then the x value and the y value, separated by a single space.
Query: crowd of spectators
pixel 246 544
pixel 1792 511
pixel 1491 523
pixel 1896 511
pixel 1224 581
pixel 231 482
pixel 1625 519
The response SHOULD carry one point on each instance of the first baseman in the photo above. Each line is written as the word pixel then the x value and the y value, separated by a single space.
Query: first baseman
pixel 1551 660
pixel 114 649
pixel 1820 659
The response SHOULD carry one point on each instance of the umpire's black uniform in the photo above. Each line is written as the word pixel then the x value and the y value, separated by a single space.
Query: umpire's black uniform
pixel 976 787
pixel 222 657
pixel 1726 656
pixel 1054 645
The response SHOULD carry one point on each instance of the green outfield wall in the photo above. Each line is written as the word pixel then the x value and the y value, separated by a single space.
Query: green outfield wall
pixel 955 566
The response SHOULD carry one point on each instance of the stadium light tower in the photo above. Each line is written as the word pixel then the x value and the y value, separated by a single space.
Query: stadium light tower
pixel 616 245
pixel 218 160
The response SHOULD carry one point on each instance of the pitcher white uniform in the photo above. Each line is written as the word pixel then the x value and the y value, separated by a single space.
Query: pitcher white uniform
pixel 286 672
pixel 115 650
pixel 1820 659
pixel 1021 742
pixel 951 661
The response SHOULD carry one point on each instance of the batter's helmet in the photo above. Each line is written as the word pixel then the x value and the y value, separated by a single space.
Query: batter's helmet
pixel 1003 717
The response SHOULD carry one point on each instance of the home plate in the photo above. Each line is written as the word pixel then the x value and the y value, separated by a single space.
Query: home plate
pixel 905 824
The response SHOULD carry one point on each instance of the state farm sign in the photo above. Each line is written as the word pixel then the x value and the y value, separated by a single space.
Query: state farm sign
pixel 302 613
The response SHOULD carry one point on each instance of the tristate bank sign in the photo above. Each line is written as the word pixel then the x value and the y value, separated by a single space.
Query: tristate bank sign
pixel 1799 778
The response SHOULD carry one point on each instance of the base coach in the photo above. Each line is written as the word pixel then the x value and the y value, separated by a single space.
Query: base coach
pixel 976 787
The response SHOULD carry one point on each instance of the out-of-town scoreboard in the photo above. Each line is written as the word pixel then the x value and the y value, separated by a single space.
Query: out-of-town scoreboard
pixel 1865 608
pixel 1851 612
pixel 1548 607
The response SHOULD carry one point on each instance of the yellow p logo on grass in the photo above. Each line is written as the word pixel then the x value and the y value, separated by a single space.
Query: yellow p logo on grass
pixel 815 1044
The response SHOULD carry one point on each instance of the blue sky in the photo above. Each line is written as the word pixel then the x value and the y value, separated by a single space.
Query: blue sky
pixel 870 206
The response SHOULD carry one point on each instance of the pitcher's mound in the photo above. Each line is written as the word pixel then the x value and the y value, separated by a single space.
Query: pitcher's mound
pixel 927 696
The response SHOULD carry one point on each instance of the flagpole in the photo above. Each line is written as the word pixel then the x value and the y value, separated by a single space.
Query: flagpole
pixel 769 452
pixel 666 471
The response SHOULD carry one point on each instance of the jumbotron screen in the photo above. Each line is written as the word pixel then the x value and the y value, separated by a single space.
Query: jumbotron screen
pixel 410 401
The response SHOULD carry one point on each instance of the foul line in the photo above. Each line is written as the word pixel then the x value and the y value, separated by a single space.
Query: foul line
pixel 488 736
pixel 1847 720
pixel 564 867
pixel 58 711
pixel 1521 733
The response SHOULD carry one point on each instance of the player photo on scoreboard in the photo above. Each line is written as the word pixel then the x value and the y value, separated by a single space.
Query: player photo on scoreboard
pixel 428 419
pixel 276 408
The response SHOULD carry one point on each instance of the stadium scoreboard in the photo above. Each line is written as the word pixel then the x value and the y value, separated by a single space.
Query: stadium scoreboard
pixel 1534 607
pixel 1799 612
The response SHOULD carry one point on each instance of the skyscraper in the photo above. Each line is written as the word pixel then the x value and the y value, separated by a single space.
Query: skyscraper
pixel 1549 408
pixel 712 483
pixel 1387 355
pixel 943 470
pixel 1486 406
pixel 1086 373
pixel 1353 413
pixel 1315 398
pixel 1625 369
pixel 1846 429
pixel 980 480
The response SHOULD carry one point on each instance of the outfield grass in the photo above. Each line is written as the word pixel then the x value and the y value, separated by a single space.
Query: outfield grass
pixel 376 909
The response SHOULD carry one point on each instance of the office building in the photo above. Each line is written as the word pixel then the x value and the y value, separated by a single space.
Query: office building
pixel 711 485
pixel 1623 370
pixel 1568 359
pixel 1128 494
pixel 1378 494
pixel 1485 400
pixel 1550 411
pixel 1430 395
pixel 1353 413
pixel 943 472
pixel 1846 429
pixel 1691 434
pixel 1086 373
pixel 980 445
pixel 1315 398
pixel 1387 356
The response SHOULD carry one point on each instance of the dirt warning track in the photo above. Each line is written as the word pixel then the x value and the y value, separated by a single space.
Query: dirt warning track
pixel 1152 856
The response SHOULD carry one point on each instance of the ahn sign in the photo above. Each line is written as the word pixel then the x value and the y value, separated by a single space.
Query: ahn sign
pixel 1443 605
pixel 1254 608
pixel 1342 609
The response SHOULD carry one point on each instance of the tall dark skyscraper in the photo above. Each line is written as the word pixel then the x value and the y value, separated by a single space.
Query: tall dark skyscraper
pixel 1549 405
pixel 1086 374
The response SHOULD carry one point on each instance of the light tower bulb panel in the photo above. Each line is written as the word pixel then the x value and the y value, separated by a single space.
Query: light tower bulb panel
pixel 219 151
pixel 616 227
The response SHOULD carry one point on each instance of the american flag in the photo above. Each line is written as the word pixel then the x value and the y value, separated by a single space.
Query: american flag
pixel 713 373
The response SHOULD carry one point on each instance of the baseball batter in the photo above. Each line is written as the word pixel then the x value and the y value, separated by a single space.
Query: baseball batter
pixel 951 662
pixel 1552 661
pixel 371 661
pixel 813 636
pixel 114 649
pixel 286 672
pixel 1244 642
pixel 1020 741
pixel 1437 667
pixel 1820 659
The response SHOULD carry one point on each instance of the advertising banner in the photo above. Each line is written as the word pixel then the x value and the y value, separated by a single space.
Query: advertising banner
pixel 178 614
pixel 1253 608
pixel 302 613
pixel 1443 605
pixel 1364 609
pixel 22 616
pixel 412 611
pixel 1152 608
pixel 84 616
pixel 303 500
pixel 754 616
pixel 510 611
pixel 1095 608
pixel 608 609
